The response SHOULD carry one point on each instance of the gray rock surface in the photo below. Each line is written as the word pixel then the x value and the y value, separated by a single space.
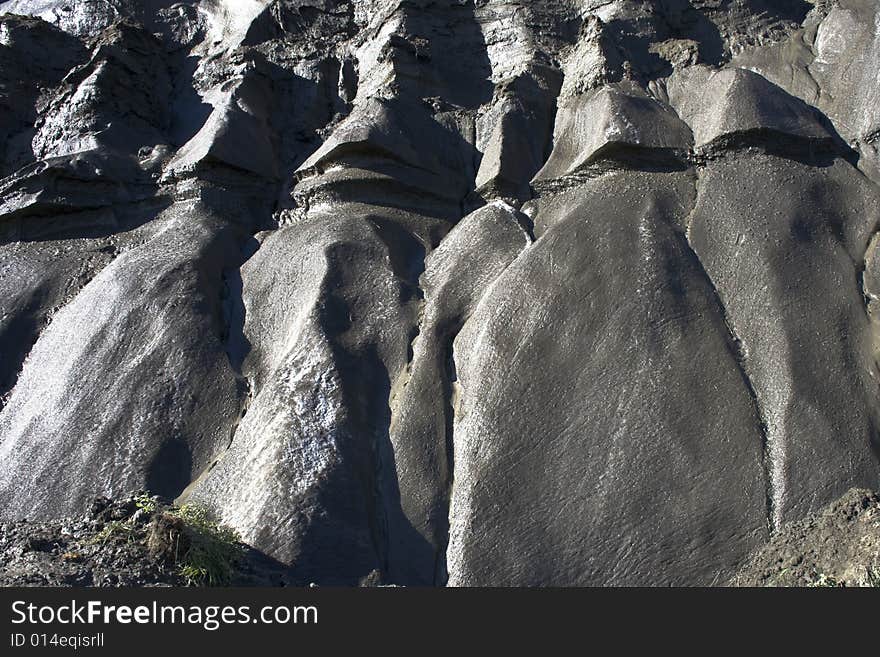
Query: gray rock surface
pixel 561 292
pixel 632 451
pixel 783 249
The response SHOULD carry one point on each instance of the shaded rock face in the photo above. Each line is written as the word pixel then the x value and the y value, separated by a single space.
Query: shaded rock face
pixel 479 293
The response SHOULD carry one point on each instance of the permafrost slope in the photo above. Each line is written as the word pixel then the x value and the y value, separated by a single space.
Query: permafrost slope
pixel 497 292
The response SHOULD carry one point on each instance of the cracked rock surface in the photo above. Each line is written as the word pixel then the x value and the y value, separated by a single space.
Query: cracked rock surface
pixel 493 292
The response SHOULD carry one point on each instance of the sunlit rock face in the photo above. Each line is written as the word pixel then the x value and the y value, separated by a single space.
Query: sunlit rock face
pixel 556 292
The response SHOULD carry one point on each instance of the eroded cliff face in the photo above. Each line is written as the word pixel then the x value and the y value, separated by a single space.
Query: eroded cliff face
pixel 559 292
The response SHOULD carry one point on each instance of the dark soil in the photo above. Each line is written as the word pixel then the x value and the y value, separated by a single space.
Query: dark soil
pixel 838 546
pixel 115 543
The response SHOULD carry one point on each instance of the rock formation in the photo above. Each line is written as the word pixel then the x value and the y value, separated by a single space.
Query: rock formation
pixel 493 292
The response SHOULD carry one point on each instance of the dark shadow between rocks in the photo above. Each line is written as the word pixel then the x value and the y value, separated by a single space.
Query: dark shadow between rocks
pixel 258 569
pixel 432 62
pixel 812 152
pixel 674 19
pixel 170 470
pixel 83 224
pixel 234 314
pixel 405 252
pixel 682 20
pixel 402 555
pixel 189 112
pixel 408 558
pixel 17 338
pixel 794 11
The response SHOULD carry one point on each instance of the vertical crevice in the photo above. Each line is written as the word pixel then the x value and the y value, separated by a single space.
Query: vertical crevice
pixel 406 258
pixel 399 542
pixel 450 385
pixel 772 462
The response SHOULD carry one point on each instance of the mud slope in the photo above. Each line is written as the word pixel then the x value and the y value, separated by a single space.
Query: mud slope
pixel 494 292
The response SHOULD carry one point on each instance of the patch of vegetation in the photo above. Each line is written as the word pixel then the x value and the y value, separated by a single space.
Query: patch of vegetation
pixel 188 540
pixel 146 503
pixel 113 530
pixel 213 548
pixel 204 551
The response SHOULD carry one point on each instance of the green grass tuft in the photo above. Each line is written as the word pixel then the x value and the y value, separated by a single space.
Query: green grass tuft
pixel 146 503
pixel 112 530
pixel 213 548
